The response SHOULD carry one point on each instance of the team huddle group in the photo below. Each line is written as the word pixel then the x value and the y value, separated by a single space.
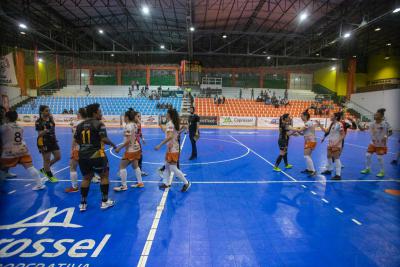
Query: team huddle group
pixel 88 151
pixel 90 138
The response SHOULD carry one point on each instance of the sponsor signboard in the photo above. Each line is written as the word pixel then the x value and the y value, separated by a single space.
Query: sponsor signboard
pixel 208 120
pixel 7 70
pixel 150 120
pixel 271 122
pixel 237 121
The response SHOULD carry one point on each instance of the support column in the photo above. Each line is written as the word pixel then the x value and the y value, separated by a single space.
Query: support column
pixel 351 74
pixel 20 67
pixel 177 77
pixel 148 75
pixel 119 76
pixel 261 80
pixel 90 76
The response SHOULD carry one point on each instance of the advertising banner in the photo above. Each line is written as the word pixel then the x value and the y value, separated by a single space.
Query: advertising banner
pixel 237 121
pixel 149 120
pixel 271 122
pixel 208 120
pixel 7 70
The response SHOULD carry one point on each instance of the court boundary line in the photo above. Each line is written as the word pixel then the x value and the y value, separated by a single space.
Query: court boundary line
pixel 154 226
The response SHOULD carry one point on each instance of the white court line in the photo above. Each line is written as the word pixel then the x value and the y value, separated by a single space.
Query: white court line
pixel 154 226
pixel 339 210
pixel 12 192
pixel 324 200
pixel 312 192
pixel 356 221
pixel 236 181
pixel 267 161
pixel 27 185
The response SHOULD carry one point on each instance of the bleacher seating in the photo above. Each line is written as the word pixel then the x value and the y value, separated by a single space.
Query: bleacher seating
pixel 109 105
pixel 250 108
pixel 105 90
pixel 233 92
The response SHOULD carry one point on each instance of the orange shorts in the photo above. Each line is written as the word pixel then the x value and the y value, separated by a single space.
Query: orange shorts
pixel 334 149
pixel 310 145
pixel 377 150
pixel 75 155
pixel 12 162
pixel 131 156
pixel 172 157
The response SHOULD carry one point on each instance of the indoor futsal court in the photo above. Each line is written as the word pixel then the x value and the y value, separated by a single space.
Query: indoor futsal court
pixel 209 133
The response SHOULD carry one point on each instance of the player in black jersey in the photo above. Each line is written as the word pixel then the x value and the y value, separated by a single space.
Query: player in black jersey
pixel 91 135
pixel 47 141
pixel 285 126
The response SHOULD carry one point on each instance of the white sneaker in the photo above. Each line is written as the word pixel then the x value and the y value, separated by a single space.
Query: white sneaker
pixel 144 173
pixel 83 206
pixel 38 187
pixel 160 173
pixel 120 188
pixel 96 179
pixel 45 179
pixel 108 204
pixel 10 175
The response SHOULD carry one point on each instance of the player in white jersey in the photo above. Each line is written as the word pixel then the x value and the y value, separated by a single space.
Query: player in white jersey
pixel 172 155
pixel 133 151
pixel 380 131
pixel 310 142
pixel 81 116
pixel 335 134
pixel 14 150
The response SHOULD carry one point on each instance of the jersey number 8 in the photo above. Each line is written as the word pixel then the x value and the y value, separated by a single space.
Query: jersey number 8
pixel 17 137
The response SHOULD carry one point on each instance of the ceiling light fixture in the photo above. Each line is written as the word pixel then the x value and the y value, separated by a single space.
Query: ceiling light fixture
pixel 386 58
pixel 388 44
pixel 162 46
pixel 396 10
pixel 303 16
pixel 377 29
pixel 192 29
pixel 23 26
pixel 333 68
pixel 268 57
pixel 145 10
pixel 347 35
pixel 23 33
pixel 224 36
pixel 101 31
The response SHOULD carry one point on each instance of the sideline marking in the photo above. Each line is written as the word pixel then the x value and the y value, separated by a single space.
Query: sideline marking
pixel 27 185
pixel 324 200
pixel 356 222
pixel 339 210
pixel 150 237
pixel 12 192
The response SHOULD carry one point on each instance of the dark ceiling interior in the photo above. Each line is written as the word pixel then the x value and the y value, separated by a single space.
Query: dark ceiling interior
pixel 258 33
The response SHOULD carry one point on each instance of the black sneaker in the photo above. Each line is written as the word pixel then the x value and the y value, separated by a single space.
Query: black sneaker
pixel 306 171
pixel 193 157
pixel 394 162
pixel 186 187
pixel 327 172
pixel 164 186
pixel 336 177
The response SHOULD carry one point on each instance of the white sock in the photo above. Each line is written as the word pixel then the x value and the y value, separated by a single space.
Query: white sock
pixel 138 173
pixel 380 160
pixel 338 166
pixel 179 174
pixel 329 166
pixel 74 178
pixel 35 174
pixel 368 160
pixel 309 163
pixel 166 174
pixel 123 174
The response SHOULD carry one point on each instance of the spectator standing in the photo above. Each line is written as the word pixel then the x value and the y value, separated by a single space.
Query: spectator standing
pixel 286 94
pixel 137 85
pixel 240 93
pixel 252 93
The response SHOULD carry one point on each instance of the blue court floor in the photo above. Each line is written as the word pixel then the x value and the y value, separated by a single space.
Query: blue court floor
pixel 238 212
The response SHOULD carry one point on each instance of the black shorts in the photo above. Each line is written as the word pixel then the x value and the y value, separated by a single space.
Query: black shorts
pixel 49 147
pixel 96 165
pixel 283 144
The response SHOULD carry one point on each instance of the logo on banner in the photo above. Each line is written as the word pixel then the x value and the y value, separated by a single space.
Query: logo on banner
pixel 228 120
pixel 29 247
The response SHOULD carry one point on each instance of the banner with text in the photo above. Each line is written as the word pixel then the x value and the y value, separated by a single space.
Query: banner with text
pixel 237 121
pixel 7 70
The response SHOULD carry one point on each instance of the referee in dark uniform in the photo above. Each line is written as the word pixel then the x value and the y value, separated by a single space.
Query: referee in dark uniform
pixel 194 121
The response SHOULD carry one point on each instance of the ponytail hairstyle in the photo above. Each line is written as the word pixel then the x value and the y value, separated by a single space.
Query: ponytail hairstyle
pixel 41 109
pixel 174 117
pixel 281 119
pixel 82 113
pixel 306 114
pixel 338 116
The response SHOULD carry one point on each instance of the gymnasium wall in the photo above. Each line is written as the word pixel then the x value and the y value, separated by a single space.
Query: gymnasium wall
pixel 388 99
pixel 380 68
